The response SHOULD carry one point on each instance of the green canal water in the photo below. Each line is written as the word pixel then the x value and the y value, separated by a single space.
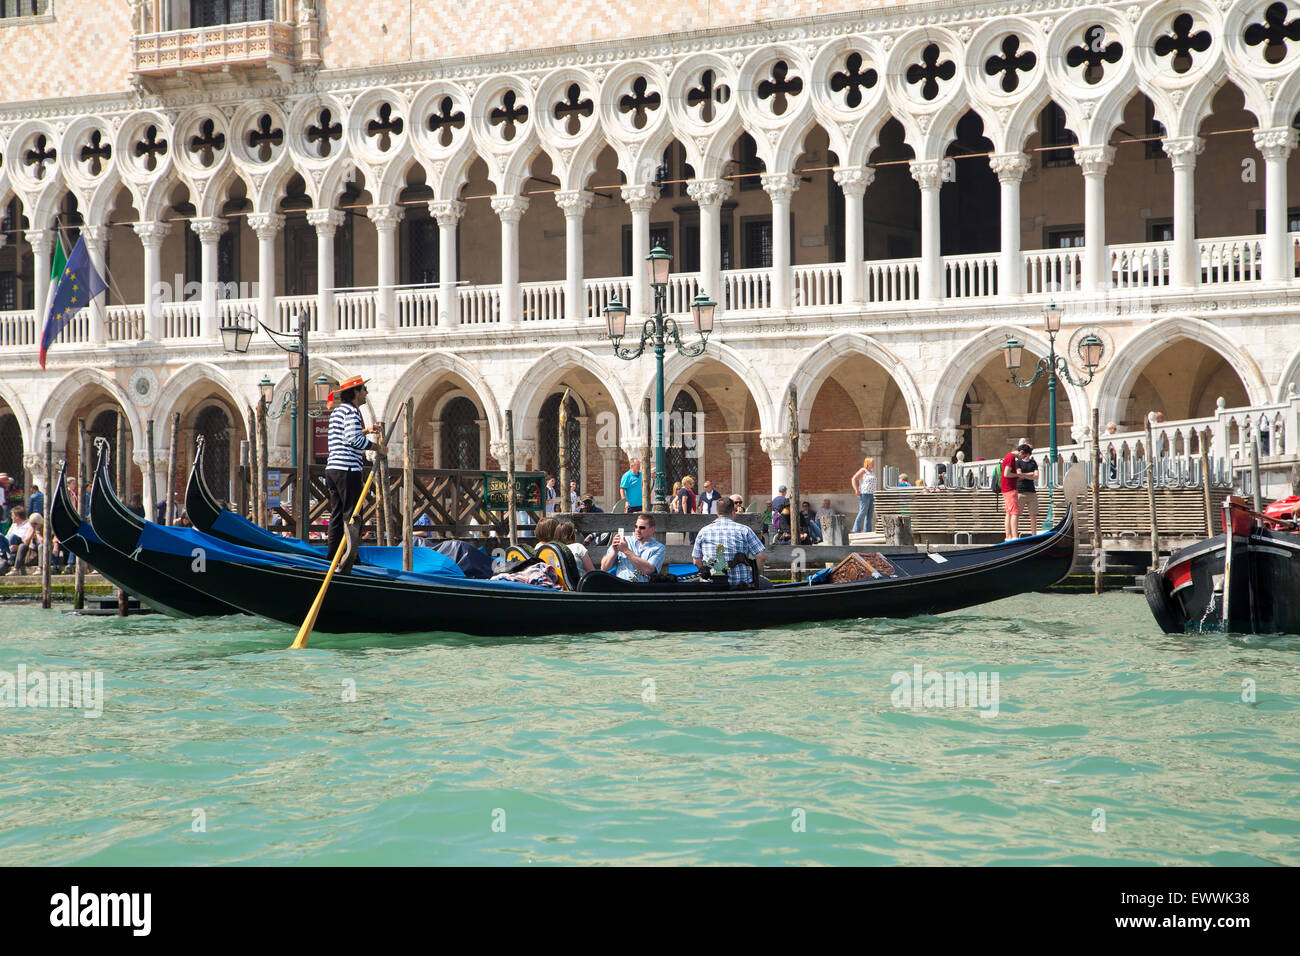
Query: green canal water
pixel 1107 742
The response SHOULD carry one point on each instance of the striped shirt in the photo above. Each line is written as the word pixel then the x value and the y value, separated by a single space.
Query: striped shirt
pixel 735 539
pixel 347 439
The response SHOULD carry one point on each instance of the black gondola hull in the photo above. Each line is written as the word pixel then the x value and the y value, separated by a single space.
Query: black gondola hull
pixel 374 600
pixel 1263 586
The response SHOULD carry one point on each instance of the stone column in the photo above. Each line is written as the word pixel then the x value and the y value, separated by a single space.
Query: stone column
pixel 1010 168
pixel 42 243
pixel 1095 161
pixel 448 212
pixel 853 181
pixel 574 203
pixel 510 209
pixel 326 223
pixel 1276 145
pixel 266 225
pixel 738 452
pixel 209 232
pixel 386 218
pixel 780 188
pixel 97 245
pixel 928 174
pixel 777 448
pixel 152 235
pixel 484 436
pixel 435 442
pixel 1185 267
pixel 932 448
pixel 710 194
pixel 640 199
pixel 609 461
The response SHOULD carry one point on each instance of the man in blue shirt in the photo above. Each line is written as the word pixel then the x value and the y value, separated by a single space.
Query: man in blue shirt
pixel 638 559
pixel 629 487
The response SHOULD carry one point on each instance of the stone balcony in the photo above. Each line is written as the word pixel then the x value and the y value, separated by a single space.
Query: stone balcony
pixel 269 46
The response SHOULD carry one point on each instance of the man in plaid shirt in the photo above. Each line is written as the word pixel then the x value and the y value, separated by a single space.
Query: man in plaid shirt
pixel 735 539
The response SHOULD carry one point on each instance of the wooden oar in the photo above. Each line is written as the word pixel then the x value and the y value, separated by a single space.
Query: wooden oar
pixel 309 622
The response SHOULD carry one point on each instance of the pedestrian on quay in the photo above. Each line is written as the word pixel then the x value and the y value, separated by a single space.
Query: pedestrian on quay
pixel 864 487
pixel 1026 489
pixel 629 486
pixel 347 447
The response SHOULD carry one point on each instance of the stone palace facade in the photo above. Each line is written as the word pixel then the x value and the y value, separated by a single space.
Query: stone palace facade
pixel 876 194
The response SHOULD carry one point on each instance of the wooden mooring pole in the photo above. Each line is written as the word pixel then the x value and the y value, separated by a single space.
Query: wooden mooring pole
pixel 408 486
pixel 79 582
pixel 1098 551
pixel 511 511
pixel 794 479
pixel 174 452
pixel 1151 494
pixel 1205 481
pixel 47 541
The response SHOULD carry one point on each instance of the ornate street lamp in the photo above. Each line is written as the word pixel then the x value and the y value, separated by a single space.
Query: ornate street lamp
pixel 1054 366
pixel 660 329
pixel 236 335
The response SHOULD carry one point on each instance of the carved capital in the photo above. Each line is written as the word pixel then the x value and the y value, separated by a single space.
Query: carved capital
pixel 266 224
pixel 709 192
pixel 776 447
pixel 385 216
pixel 152 234
pixel 34 461
pixel 510 208
pixel 326 221
pixel 640 198
pixel 854 180
pixel 928 173
pixel 500 450
pixel 209 230
pixel 96 237
pixel 932 444
pixel 780 186
pixel 1094 160
pixel 574 202
pixel 41 241
pixel 448 212
pixel 1276 143
pixel 1010 167
pixel 1183 150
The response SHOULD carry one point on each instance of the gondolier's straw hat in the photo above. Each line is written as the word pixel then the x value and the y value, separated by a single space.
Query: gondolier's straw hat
pixel 356 381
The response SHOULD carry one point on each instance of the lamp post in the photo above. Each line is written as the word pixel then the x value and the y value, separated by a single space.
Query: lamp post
pixel 236 336
pixel 1055 366
pixel 659 329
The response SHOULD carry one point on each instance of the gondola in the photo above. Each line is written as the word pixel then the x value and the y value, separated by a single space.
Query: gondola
pixel 209 516
pixel 371 599
pixel 1244 581
pixel 161 593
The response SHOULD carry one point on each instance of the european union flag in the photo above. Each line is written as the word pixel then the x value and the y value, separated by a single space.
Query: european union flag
pixel 77 286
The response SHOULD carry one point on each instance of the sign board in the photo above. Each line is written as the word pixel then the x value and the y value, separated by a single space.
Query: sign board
pixel 320 439
pixel 530 491
pixel 273 487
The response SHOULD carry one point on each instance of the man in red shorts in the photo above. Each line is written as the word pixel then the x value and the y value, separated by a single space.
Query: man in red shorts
pixel 1010 497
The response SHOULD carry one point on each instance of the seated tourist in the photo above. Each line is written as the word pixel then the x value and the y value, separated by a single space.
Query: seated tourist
pixel 810 529
pixel 734 538
pixel 546 530
pixel 638 559
pixel 567 535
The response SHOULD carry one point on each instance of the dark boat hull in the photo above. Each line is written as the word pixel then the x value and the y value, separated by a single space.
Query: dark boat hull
pixel 1262 587
pixel 160 593
pixel 379 600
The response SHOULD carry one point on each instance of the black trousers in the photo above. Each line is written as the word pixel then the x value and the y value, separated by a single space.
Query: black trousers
pixel 345 489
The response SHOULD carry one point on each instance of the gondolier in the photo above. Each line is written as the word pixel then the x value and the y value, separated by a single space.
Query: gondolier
pixel 348 444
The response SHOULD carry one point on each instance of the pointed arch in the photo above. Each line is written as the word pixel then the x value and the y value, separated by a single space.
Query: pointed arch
pixel 821 361
pixel 196 373
pixel 1131 358
pixel 527 396
pixel 678 370
pixel 68 393
pixel 426 371
pixel 966 363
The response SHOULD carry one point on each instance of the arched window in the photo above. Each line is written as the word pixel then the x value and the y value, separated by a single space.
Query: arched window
pixel 548 439
pixel 460 435
pixel 681 444
pixel 214 425
pixel 11 447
